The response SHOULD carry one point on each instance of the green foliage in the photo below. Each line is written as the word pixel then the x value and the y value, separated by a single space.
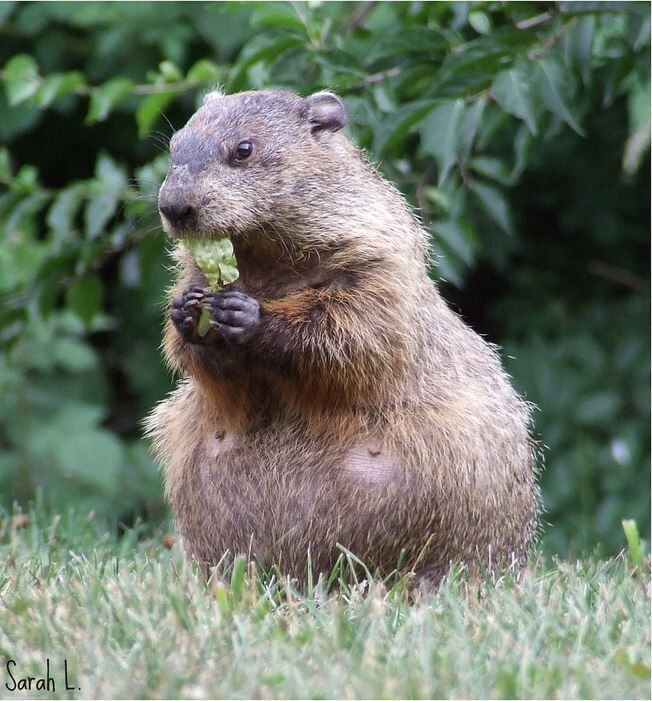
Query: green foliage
pixel 521 132
pixel 635 545
pixel 215 259
pixel 561 631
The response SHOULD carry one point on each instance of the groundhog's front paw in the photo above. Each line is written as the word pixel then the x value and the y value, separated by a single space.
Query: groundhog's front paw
pixel 235 315
pixel 186 310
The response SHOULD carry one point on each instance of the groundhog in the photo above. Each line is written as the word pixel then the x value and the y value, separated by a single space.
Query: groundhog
pixel 337 404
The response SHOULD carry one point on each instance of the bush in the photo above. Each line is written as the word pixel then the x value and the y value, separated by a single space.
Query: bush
pixel 520 131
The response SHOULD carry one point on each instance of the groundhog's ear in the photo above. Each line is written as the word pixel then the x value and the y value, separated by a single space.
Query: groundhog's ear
pixel 325 111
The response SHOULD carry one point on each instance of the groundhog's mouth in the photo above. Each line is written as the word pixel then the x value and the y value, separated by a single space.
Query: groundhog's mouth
pixel 182 221
pixel 194 235
pixel 177 233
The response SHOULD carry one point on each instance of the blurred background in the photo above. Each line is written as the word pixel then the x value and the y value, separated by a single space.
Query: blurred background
pixel 520 131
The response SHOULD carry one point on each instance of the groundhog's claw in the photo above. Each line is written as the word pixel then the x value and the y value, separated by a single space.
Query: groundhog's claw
pixel 186 310
pixel 235 315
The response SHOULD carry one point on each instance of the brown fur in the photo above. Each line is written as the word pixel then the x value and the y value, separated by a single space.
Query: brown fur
pixel 364 412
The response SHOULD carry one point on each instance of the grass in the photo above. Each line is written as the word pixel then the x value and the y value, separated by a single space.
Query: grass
pixel 133 621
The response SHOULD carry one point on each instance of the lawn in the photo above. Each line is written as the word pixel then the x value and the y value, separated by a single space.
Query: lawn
pixel 127 618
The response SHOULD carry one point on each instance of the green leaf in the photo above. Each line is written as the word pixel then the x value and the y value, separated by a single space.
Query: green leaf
pixel 448 268
pixel 26 180
pixel 95 456
pixel 470 123
pixel 512 91
pixel 555 87
pixel 150 176
pixel 480 22
pixel 98 212
pixel 215 259
pixel 494 204
pixel 108 187
pixel 419 40
pixel 105 97
pixel 397 127
pixel 151 109
pixel 6 8
pixel 637 147
pixel 440 135
pixel 8 276
pixel 458 238
pixel 84 296
pixel 638 104
pixel 204 323
pixel 73 355
pixel 262 48
pixel 456 244
pixel 579 47
pixel 61 214
pixel 204 71
pixel 492 168
pixel 473 69
pixel 78 414
pixel 58 85
pixel 523 142
pixel 342 65
pixel 228 273
pixel 22 219
pixel 438 197
pixel 48 279
pixel 282 15
pixel 21 78
pixel 5 164
pixel 16 120
pixel 46 294
pixel 170 71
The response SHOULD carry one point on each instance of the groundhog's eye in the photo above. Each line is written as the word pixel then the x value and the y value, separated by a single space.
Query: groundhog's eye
pixel 243 150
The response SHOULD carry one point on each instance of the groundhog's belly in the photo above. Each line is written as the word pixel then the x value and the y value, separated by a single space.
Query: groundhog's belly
pixel 279 495
pixel 291 488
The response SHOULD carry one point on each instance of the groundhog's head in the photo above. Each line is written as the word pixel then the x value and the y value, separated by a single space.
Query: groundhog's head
pixel 250 162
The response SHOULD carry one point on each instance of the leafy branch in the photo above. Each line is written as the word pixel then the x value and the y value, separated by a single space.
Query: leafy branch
pixel 24 83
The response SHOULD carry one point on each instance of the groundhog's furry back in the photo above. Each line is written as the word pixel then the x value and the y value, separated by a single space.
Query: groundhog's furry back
pixel 336 400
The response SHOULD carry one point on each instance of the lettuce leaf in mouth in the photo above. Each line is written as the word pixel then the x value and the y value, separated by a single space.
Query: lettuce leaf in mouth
pixel 217 262
pixel 215 259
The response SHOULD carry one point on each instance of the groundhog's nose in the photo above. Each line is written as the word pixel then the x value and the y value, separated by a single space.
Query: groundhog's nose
pixel 179 212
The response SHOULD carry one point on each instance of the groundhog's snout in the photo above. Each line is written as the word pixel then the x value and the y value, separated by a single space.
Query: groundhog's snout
pixel 179 212
pixel 177 205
